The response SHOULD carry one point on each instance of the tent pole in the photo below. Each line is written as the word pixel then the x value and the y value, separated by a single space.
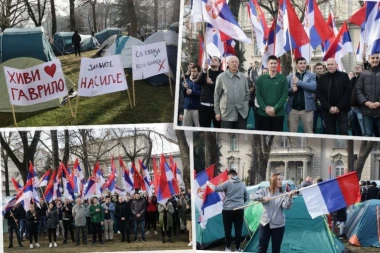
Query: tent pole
pixel 133 91
pixel 14 115
pixel 170 83
pixel 129 94
pixel 71 108
pixel 76 105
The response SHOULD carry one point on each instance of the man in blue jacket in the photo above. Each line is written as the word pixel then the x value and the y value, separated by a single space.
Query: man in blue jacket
pixel 191 93
pixel 301 103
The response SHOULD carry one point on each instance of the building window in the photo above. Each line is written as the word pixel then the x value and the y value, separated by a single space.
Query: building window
pixel 339 168
pixel 284 142
pixel 233 166
pixel 340 143
pixel 301 142
pixel 234 142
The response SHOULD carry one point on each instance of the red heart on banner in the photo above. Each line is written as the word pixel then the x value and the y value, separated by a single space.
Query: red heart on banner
pixel 50 70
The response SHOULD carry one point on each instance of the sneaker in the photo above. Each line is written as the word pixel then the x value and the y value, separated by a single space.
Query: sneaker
pixel 190 244
pixel 20 245
pixel 143 240
pixel 118 231
pixel 31 246
pixel 50 245
pixel 238 250
pixel 228 250
pixel 64 242
pixel 147 232
pixel 155 232
pixel 136 240
pixel 55 244
pixel 37 244
pixel 341 237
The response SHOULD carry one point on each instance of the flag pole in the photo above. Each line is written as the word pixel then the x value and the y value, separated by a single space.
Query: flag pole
pixel 76 105
pixel 170 83
pixel 204 40
pixel 14 217
pixel 291 49
pixel 14 115
pixel 71 108
pixel 257 202
pixel 129 94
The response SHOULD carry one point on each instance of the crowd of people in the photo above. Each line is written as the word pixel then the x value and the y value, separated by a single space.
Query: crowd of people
pixel 102 217
pixel 211 97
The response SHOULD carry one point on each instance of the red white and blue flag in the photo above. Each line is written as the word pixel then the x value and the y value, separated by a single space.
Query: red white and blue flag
pixel 68 183
pixel 44 179
pixel 49 193
pixel 79 179
pixel 331 195
pixel 127 182
pixel 29 193
pixel 200 185
pixel 146 178
pixel 217 13
pixel 358 18
pixel 259 24
pixel 374 34
pixel 111 182
pixel 167 185
pixel 95 183
pixel 341 45
pixel 16 185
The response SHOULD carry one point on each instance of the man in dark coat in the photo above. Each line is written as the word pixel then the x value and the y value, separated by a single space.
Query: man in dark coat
pixel 12 217
pixel 138 211
pixel 372 191
pixel 76 39
pixel 122 214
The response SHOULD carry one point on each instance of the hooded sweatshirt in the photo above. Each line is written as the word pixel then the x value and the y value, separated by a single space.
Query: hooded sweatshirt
pixel 236 193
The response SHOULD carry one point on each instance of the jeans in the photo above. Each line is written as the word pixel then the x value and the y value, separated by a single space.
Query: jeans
pixel 369 123
pixel 22 230
pixel 265 233
pixel 11 229
pixel 357 121
pixel 33 232
pixel 42 225
pixel 142 225
pixel 52 231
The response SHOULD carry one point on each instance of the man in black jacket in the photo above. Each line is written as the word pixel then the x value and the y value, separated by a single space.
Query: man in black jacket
pixel 334 92
pixel 67 215
pixel 368 94
pixel 355 113
pixel 12 217
pixel 206 108
pixel 122 214
pixel 76 39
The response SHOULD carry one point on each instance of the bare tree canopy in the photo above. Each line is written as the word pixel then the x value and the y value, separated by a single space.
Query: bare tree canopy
pixel 12 13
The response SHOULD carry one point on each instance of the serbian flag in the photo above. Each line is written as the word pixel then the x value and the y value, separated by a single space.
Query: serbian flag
pixel 167 185
pixel 111 182
pixel 374 35
pixel 68 183
pixel 127 182
pixel 259 24
pixel 137 179
pixel 44 179
pixel 78 177
pixel 49 191
pixel 156 173
pixel 95 183
pixel 146 178
pixel 200 185
pixel 178 175
pixel 215 47
pixel 220 16
pixel 335 50
pixel 372 9
pixel 332 195
pixel 16 185
pixel 212 201
pixel 269 48
pixel 30 189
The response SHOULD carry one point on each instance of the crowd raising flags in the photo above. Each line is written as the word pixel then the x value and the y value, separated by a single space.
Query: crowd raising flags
pixel 286 32
pixel 70 183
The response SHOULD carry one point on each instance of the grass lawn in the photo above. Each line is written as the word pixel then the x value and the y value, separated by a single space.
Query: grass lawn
pixel 153 105
pixel 153 242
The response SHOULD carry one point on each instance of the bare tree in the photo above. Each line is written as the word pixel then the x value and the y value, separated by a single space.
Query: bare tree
pixel 36 10
pixel 4 157
pixel 364 151
pixel 211 150
pixel 261 146
pixel 155 15
pixel 132 18
pixel 53 18
pixel 72 15
pixel 11 13
pixel 28 151
pixel 185 156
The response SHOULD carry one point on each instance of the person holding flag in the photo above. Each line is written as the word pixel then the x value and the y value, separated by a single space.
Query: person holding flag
pixel 272 223
pixel 13 219
pixel 236 195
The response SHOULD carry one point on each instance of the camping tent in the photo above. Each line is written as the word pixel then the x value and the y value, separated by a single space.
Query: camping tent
pixel 26 42
pixel 265 184
pixel 22 63
pixel 174 27
pixel 302 233
pixel 88 43
pixel 363 224
pixel 214 231
pixel 105 45
pixel 106 33
pixel 123 46
pixel 170 37
pixel 62 43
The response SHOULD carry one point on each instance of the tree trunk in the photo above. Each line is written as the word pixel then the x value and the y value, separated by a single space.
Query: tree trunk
pixel 286 64
pixel 53 18
pixel 132 18
pixel 255 139
pixel 185 156
pixel 155 15
pixel 176 6
pixel 83 133
pixel 365 150
pixel 54 148
pixel 264 149
pixel 351 156
pixel 93 5
pixel 4 156
pixel 72 16
pixel 211 150
pixel 66 151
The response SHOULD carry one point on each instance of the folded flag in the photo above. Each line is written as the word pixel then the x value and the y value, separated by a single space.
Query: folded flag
pixel 332 195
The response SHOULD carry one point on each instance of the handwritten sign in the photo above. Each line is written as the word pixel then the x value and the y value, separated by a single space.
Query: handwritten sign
pixel 101 76
pixel 149 60
pixel 35 85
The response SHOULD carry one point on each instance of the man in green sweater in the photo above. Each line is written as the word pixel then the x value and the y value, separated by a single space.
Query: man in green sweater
pixel 97 218
pixel 271 94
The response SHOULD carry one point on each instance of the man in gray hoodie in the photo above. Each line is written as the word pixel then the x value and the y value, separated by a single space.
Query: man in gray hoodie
pixel 236 196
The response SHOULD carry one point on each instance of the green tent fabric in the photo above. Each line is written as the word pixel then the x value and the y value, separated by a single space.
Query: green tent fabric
pixel 22 63
pixel 214 231
pixel 303 234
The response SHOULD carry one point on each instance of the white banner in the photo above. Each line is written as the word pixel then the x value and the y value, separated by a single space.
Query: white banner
pixel 37 84
pixel 101 76
pixel 149 60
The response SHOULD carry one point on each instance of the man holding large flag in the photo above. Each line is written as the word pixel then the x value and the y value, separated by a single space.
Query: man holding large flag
pixel 236 196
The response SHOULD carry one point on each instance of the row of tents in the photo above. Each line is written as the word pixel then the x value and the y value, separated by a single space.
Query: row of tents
pixel 27 47
pixel 302 233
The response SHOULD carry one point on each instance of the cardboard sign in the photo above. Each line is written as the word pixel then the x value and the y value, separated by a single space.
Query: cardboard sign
pixel 101 76
pixel 37 84
pixel 149 60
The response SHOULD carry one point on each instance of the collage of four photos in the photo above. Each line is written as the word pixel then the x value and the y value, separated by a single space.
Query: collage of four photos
pixel 190 126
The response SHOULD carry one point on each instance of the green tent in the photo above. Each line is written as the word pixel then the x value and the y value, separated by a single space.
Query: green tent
pixel 22 63
pixel 302 233
pixel 214 231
